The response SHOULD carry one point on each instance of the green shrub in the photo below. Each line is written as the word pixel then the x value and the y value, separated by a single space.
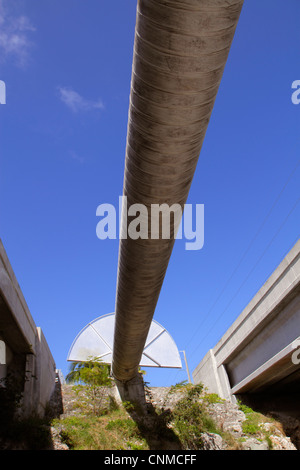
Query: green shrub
pixel 92 378
pixel 212 398
pixel 249 428
pixel 244 408
pixel 190 419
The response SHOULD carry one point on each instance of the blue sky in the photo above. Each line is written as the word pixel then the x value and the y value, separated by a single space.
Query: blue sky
pixel 67 69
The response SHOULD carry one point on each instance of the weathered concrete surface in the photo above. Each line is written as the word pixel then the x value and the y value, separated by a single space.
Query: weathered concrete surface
pixel 25 353
pixel 132 391
pixel 180 51
pixel 256 351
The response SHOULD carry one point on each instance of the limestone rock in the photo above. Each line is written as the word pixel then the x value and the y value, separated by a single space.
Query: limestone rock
pixel 212 441
pixel 291 426
pixel 57 444
pixel 228 417
pixel 254 444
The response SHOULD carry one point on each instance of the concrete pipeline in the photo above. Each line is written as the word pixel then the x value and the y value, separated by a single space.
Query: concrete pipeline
pixel 180 51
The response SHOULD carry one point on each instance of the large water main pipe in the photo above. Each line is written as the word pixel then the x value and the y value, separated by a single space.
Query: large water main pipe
pixel 180 51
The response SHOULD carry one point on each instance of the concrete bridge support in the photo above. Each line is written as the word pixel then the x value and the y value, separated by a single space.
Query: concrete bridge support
pixel 133 391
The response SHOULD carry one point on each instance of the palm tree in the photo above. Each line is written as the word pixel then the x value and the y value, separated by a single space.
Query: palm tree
pixel 90 372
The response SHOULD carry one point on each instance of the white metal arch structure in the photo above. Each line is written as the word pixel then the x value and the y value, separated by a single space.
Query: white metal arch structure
pixel 96 340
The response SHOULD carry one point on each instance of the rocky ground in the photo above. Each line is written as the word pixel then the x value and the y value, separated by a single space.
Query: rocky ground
pixel 228 417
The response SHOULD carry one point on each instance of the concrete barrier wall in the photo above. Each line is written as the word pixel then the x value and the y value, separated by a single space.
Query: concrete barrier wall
pixel 45 373
pixel 19 316
pixel 25 353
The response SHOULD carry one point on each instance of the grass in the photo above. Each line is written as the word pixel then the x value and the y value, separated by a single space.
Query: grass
pixel 254 425
pixel 114 431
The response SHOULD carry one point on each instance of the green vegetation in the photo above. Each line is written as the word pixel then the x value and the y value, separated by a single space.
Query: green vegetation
pixel 91 372
pixel 190 418
pixel 100 423
pixel 125 426
pixel 112 431
pixel 212 398
pixel 92 378
pixel 254 425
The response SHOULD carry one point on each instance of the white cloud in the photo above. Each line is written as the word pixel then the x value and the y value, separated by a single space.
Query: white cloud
pixel 76 102
pixel 14 36
pixel 75 156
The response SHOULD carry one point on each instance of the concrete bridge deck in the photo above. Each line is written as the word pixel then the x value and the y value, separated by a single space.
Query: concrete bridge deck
pixel 259 352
